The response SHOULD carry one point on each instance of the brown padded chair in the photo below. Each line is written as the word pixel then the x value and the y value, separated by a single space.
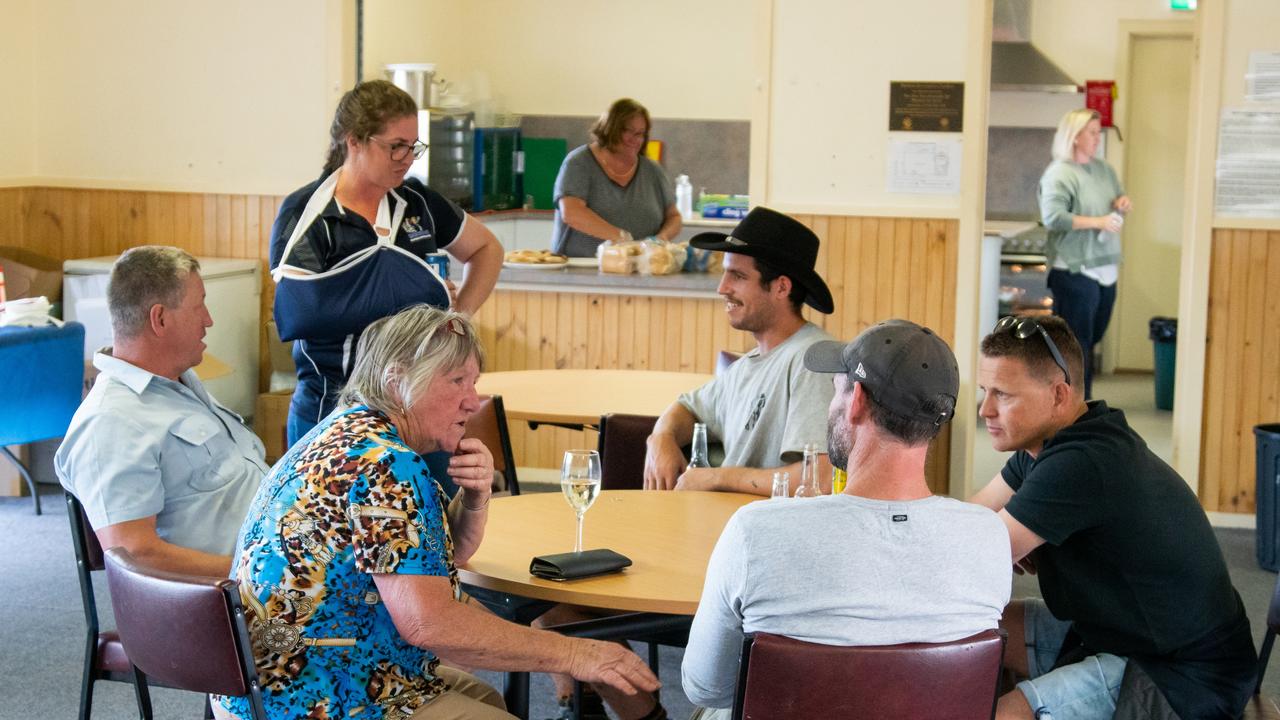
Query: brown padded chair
pixel 784 678
pixel 489 426
pixel 622 449
pixel 104 656
pixel 185 631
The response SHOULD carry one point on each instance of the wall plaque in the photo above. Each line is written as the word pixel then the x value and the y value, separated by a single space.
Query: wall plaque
pixel 926 106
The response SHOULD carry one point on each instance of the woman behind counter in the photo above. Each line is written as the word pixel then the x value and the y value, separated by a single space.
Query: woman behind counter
pixel 331 281
pixel 348 558
pixel 1080 204
pixel 608 190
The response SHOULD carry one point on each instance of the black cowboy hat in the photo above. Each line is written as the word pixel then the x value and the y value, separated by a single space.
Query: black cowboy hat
pixel 780 242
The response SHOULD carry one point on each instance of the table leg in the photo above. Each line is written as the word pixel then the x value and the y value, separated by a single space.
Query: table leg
pixel 516 694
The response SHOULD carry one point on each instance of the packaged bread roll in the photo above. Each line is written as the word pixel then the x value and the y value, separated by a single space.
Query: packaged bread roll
pixel 657 259
pixel 679 253
pixel 618 258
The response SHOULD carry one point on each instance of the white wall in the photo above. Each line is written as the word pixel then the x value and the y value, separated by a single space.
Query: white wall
pixel 829 110
pixel 17 76
pixel 1082 36
pixel 574 57
pixel 233 96
pixel 1250 25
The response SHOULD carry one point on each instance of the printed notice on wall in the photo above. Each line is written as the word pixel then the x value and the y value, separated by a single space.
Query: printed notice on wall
pixel 924 167
pixel 1263 78
pixel 1248 172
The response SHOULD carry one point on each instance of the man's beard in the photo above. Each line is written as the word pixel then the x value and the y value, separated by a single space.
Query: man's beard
pixel 839 440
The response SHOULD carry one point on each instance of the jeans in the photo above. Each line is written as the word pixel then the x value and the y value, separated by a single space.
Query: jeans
pixel 1086 307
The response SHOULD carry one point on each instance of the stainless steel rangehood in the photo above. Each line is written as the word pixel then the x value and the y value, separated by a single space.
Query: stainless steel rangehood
pixel 1016 64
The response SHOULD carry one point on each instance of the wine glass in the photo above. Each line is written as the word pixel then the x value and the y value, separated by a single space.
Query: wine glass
pixel 580 483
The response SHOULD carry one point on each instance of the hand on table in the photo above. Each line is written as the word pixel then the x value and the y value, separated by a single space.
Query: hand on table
pixel 697 479
pixel 596 661
pixel 663 463
pixel 471 468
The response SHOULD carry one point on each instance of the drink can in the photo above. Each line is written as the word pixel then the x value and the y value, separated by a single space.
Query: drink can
pixel 439 261
pixel 839 479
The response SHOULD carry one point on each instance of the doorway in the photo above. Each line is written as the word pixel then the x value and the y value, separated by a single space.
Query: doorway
pixel 1158 85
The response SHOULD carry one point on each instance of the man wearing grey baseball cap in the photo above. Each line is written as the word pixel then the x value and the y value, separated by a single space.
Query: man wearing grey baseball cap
pixel 897 564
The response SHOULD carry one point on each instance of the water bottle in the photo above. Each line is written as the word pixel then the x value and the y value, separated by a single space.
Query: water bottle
pixel 684 197
pixel 698 456
pixel 809 473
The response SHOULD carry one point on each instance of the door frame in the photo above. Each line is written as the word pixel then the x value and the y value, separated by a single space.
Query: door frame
pixel 1129 32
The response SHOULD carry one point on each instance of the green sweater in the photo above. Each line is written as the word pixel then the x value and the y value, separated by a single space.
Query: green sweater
pixel 1068 189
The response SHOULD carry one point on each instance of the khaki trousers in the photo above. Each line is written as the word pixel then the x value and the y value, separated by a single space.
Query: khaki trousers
pixel 469 698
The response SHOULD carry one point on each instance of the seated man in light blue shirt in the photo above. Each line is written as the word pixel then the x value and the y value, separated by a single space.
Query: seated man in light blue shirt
pixel 161 468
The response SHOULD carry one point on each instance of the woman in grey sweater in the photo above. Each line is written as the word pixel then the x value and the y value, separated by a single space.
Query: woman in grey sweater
pixel 1082 206
pixel 609 191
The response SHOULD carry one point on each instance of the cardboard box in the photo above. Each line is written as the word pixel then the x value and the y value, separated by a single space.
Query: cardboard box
pixel 27 274
pixel 269 422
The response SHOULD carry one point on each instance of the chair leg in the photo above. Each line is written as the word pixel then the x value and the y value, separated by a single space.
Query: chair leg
pixel 22 470
pixel 142 693
pixel 653 665
pixel 208 707
pixel 88 677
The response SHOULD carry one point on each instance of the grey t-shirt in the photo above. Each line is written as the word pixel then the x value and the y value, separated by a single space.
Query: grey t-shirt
pixel 766 406
pixel 639 208
pixel 845 570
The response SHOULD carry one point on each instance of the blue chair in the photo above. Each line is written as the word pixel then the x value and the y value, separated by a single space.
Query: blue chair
pixel 42 371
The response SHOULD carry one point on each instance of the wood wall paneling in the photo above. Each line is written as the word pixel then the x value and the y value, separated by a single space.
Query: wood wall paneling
pixel 876 268
pixel 1242 380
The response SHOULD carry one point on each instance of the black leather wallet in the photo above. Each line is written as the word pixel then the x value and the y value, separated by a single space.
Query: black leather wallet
pixel 574 565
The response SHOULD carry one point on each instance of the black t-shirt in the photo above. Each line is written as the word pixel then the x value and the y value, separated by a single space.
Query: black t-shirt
pixel 1130 559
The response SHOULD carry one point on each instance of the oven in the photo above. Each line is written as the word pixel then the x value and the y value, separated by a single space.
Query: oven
pixel 1024 285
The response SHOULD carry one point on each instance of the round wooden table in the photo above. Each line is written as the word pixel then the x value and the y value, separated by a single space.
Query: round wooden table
pixel 668 536
pixel 580 397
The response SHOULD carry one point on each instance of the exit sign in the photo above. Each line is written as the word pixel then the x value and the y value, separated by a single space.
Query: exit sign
pixel 1182 4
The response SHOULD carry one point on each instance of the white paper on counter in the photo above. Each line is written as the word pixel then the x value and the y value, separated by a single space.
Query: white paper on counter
pixel 1263 79
pixel 931 167
pixel 1248 171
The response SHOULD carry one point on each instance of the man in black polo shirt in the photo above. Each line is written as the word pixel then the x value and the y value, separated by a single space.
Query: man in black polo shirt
pixel 1136 591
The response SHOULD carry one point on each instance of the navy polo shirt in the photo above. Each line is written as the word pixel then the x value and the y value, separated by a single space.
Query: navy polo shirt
pixel 430 223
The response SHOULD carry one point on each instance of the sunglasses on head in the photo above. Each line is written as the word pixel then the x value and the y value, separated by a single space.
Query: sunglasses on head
pixel 1025 327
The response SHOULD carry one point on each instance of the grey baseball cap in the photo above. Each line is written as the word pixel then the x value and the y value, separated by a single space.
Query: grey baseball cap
pixel 902 365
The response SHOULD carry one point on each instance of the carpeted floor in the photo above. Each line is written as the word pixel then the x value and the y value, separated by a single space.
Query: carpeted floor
pixel 42 634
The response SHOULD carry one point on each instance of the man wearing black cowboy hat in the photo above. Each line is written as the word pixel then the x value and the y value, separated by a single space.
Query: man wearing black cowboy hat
pixel 766 406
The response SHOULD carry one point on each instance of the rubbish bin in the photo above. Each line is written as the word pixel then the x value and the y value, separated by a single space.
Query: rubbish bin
pixel 1268 495
pixel 1164 333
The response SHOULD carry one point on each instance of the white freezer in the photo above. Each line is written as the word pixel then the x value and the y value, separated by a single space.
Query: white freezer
pixel 233 290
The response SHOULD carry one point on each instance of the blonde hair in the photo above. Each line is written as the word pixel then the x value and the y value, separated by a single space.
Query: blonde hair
pixel 398 356
pixel 1069 128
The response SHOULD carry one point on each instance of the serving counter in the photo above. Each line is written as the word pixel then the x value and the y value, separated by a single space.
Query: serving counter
pixel 567 279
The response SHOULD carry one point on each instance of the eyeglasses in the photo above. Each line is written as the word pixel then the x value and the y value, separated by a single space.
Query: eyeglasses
pixel 400 151
pixel 1025 327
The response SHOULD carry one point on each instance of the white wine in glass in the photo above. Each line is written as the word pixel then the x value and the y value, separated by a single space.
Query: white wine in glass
pixel 580 483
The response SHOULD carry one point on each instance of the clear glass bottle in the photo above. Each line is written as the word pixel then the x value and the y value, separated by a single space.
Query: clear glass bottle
pixel 698 454
pixel 809 473
pixel 781 485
